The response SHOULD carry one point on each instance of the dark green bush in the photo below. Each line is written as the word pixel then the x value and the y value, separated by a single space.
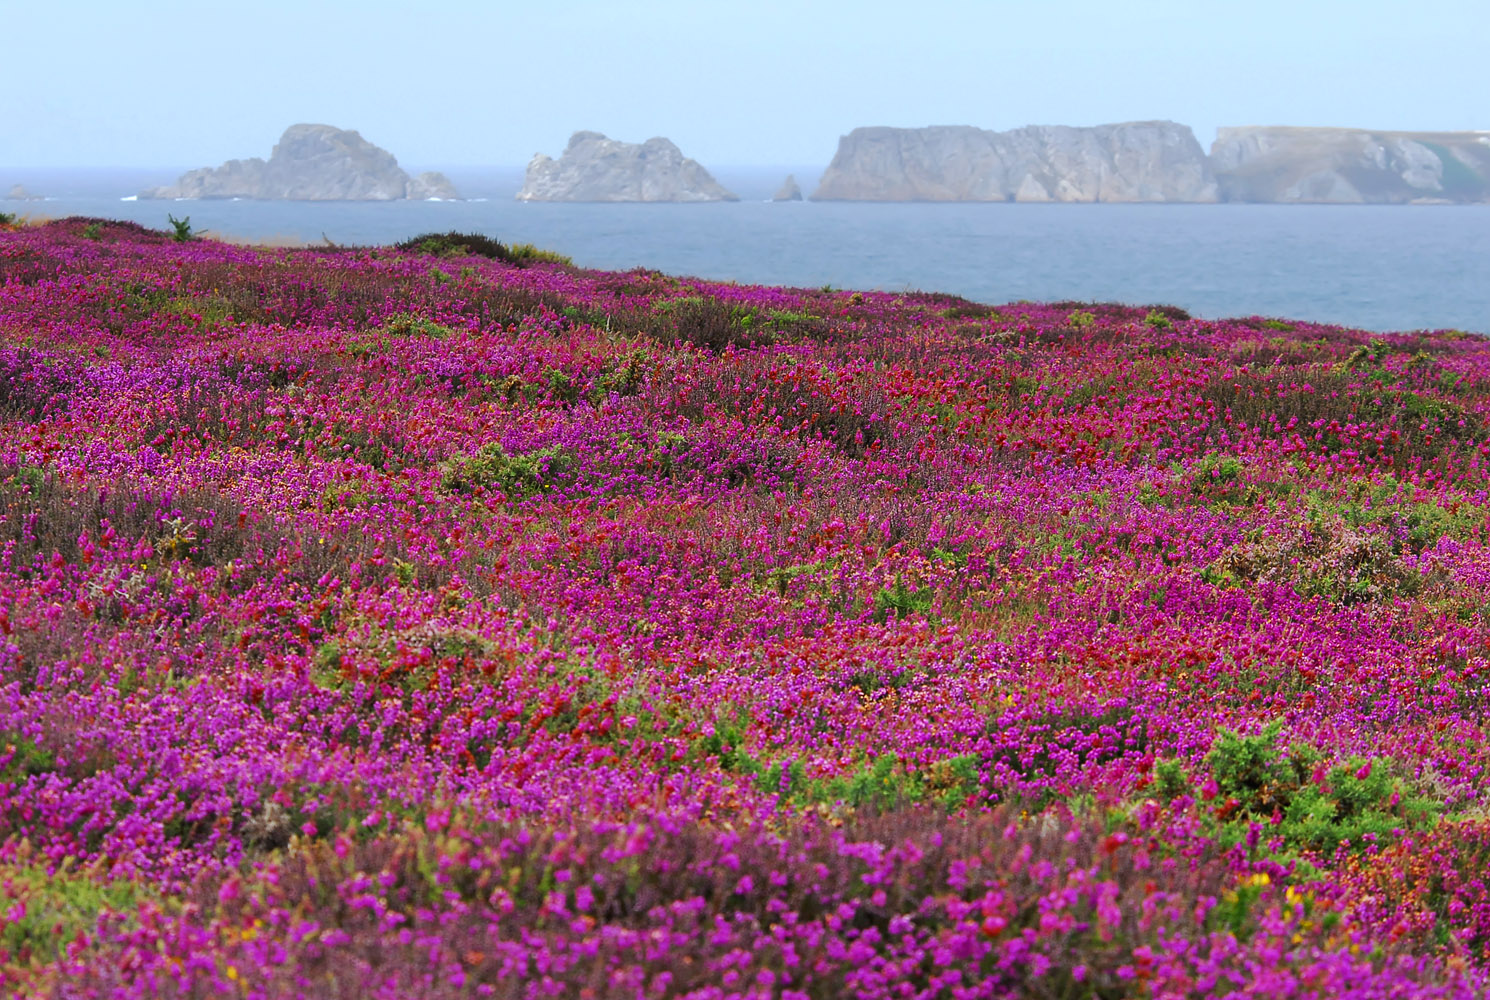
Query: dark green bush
pixel 1251 770
pixel 524 254
pixel 902 601
pixel 1355 801
pixel 23 758
pixel 1170 780
pixel 518 475
pixel 624 380
pixel 414 327
pixel 561 387
pixel 454 244
pixel 183 232
pixel 1172 313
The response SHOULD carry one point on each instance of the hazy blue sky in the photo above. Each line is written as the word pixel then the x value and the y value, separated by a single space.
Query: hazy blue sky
pixel 733 83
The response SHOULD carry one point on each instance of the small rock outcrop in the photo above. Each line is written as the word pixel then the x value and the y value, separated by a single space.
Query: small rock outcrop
pixel 789 190
pixel 595 168
pixel 431 186
pixel 1156 161
pixel 311 163
pixel 18 192
pixel 1351 166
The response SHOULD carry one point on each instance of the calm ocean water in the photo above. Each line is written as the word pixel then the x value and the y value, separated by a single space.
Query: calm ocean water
pixel 1377 267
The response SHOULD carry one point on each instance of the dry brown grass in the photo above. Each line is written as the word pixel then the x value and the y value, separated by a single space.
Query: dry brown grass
pixel 275 241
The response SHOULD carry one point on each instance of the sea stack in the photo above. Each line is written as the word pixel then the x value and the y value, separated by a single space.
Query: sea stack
pixel 789 190
pixel 596 168
pixel 311 163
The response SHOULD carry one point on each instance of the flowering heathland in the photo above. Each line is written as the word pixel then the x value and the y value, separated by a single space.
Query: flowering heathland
pixel 379 623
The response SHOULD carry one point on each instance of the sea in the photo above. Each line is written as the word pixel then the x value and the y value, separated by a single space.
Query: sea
pixel 1374 267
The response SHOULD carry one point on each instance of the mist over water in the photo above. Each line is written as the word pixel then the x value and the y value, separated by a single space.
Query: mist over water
pixel 1375 267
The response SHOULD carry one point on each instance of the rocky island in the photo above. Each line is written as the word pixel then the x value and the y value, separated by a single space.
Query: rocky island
pixel 312 163
pixel 18 192
pixel 596 168
pixel 1351 166
pixel 1127 162
pixel 790 190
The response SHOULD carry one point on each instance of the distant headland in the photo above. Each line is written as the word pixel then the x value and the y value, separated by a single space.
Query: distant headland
pixel 1158 161
pixel 1351 166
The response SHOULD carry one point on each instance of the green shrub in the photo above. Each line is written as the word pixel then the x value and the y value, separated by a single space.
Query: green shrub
pixel 210 311
pixel 1157 320
pixel 326 672
pixel 1365 356
pixel 1171 781
pixel 880 785
pixel 413 327
pixel 59 906
pixel 93 231
pixel 798 325
pixel 1357 799
pixel 526 253
pixel 561 387
pixel 726 743
pixel 30 476
pixel 23 758
pixel 1251 770
pixel 953 780
pixel 1391 504
pixel 183 232
pixel 519 475
pixel 343 496
pixel 1172 313
pixel 454 244
pixel 1218 469
pixel 902 601
pixel 626 380
pixel 1219 478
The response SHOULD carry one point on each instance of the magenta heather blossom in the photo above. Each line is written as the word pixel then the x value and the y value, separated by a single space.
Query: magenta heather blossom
pixel 382 625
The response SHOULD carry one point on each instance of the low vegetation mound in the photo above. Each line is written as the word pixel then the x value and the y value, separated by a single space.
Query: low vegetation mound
pixel 453 244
